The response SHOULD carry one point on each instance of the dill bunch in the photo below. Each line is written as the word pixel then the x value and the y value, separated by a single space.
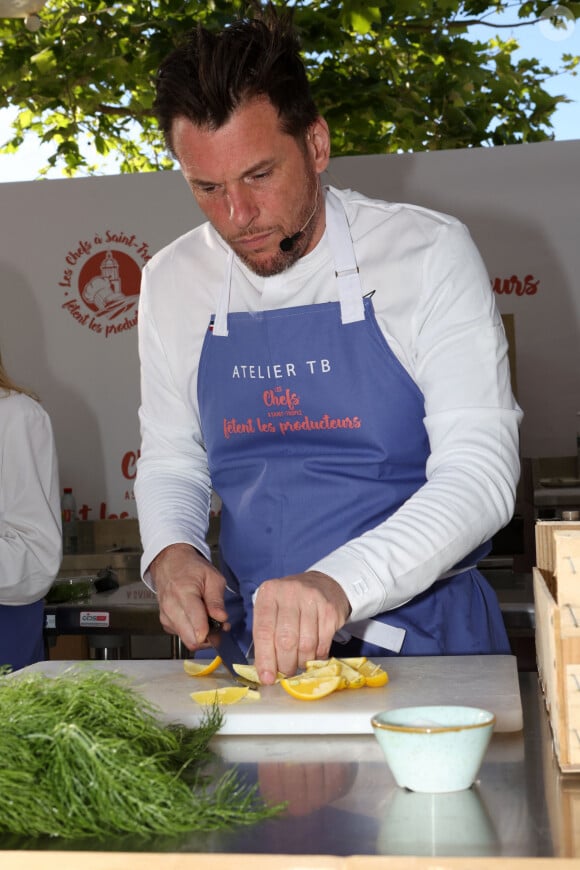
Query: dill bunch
pixel 84 755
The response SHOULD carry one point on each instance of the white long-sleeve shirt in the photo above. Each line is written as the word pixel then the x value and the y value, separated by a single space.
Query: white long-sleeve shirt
pixel 30 522
pixel 434 304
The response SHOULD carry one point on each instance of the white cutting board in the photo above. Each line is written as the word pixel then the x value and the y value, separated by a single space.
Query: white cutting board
pixel 490 682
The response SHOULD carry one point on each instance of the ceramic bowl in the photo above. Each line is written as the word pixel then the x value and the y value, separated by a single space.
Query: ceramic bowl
pixel 434 749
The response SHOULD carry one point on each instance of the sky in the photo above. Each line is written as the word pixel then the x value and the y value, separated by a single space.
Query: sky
pixel 541 41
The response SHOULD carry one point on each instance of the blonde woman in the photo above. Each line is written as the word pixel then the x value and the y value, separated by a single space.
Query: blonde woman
pixel 30 524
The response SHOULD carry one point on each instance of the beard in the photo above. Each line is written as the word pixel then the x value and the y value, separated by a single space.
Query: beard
pixel 280 260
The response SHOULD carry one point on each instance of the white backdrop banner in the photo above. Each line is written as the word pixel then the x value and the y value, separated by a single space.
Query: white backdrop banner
pixel 71 254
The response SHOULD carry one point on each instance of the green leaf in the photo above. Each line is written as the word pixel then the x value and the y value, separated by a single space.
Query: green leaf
pixel 44 61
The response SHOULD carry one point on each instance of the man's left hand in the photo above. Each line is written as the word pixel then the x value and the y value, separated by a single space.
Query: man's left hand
pixel 295 620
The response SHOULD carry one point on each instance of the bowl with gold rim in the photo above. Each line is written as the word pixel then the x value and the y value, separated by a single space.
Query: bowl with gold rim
pixel 434 748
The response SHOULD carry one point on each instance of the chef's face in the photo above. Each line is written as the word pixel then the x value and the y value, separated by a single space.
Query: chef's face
pixel 255 183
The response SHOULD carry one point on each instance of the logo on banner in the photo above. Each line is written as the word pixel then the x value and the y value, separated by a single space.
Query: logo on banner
pixel 102 279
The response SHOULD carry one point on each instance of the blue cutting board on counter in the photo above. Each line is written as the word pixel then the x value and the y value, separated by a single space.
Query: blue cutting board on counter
pixel 490 682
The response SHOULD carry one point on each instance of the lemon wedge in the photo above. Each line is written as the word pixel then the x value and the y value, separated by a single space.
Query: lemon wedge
pixel 249 672
pixel 355 662
pixel 320 667
pixel 352 679
pixel 355 672
pixel 324 670
pixel 225 695
pixel 374 675
pixel 310 688
pixel 202 667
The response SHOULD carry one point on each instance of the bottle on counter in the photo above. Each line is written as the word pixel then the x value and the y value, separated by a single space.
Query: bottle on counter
pixel 70 540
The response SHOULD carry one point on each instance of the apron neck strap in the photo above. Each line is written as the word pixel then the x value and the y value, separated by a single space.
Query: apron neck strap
pixel 345 266
pixel 220 324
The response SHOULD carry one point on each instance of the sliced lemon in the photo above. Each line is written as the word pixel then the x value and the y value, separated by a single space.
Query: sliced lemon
pixel 332 669
pixel 374 675
pixel 355 662
pixel 225 695
pixel 316 664
pixel 202 667
pixel 324 668
pixel 354 679
pixel 310 688
pixel 249 672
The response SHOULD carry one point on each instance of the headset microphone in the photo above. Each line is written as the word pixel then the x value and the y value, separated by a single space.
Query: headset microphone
pixel 288 242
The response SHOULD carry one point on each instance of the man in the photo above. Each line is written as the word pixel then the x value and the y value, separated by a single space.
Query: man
pixel 333 366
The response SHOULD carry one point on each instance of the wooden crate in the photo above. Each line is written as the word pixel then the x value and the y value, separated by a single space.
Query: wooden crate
pixel 562 794
pixel 557 609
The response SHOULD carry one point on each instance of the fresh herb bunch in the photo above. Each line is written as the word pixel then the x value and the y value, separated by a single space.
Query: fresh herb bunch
pixel 84 755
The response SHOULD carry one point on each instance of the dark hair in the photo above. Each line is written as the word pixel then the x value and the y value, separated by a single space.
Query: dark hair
pixel 212 74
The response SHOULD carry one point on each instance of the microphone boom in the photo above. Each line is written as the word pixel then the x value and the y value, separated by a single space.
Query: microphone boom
pixel 288 242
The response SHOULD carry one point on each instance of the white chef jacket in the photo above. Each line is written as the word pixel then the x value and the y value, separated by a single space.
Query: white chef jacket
pixel 434 304
pixel 30 521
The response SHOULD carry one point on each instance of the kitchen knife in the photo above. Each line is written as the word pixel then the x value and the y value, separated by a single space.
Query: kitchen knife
pixel 226 647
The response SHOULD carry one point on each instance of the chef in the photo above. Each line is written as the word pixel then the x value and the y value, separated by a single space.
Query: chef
pixel 333 366
pixel 30 523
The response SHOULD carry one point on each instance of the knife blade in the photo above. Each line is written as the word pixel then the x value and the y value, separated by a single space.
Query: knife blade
pixel 227 648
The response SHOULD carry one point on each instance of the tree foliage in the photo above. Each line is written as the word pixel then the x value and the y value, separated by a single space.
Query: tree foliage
pixel 389 75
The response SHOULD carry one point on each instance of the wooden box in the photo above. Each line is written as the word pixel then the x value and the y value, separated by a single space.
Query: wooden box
pixel 557 609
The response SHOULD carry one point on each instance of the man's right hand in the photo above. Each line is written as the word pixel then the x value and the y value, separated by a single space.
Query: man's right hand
pixel 189 589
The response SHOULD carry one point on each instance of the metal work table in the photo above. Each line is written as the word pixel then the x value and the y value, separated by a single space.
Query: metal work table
pixel 130 609
pixel 108 620
pixel 342 801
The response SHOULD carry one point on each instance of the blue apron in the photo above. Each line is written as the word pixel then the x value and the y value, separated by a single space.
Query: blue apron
pixel 314 434
pixel 21 637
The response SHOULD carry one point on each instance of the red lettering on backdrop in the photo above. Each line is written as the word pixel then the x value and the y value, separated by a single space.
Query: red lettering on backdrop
pixel 103 515
pixel 515 286
pixel 129 464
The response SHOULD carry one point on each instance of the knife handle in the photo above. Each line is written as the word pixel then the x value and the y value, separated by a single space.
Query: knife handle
pixel 214 625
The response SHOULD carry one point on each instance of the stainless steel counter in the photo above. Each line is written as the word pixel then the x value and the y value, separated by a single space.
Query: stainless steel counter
pixel 342 801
